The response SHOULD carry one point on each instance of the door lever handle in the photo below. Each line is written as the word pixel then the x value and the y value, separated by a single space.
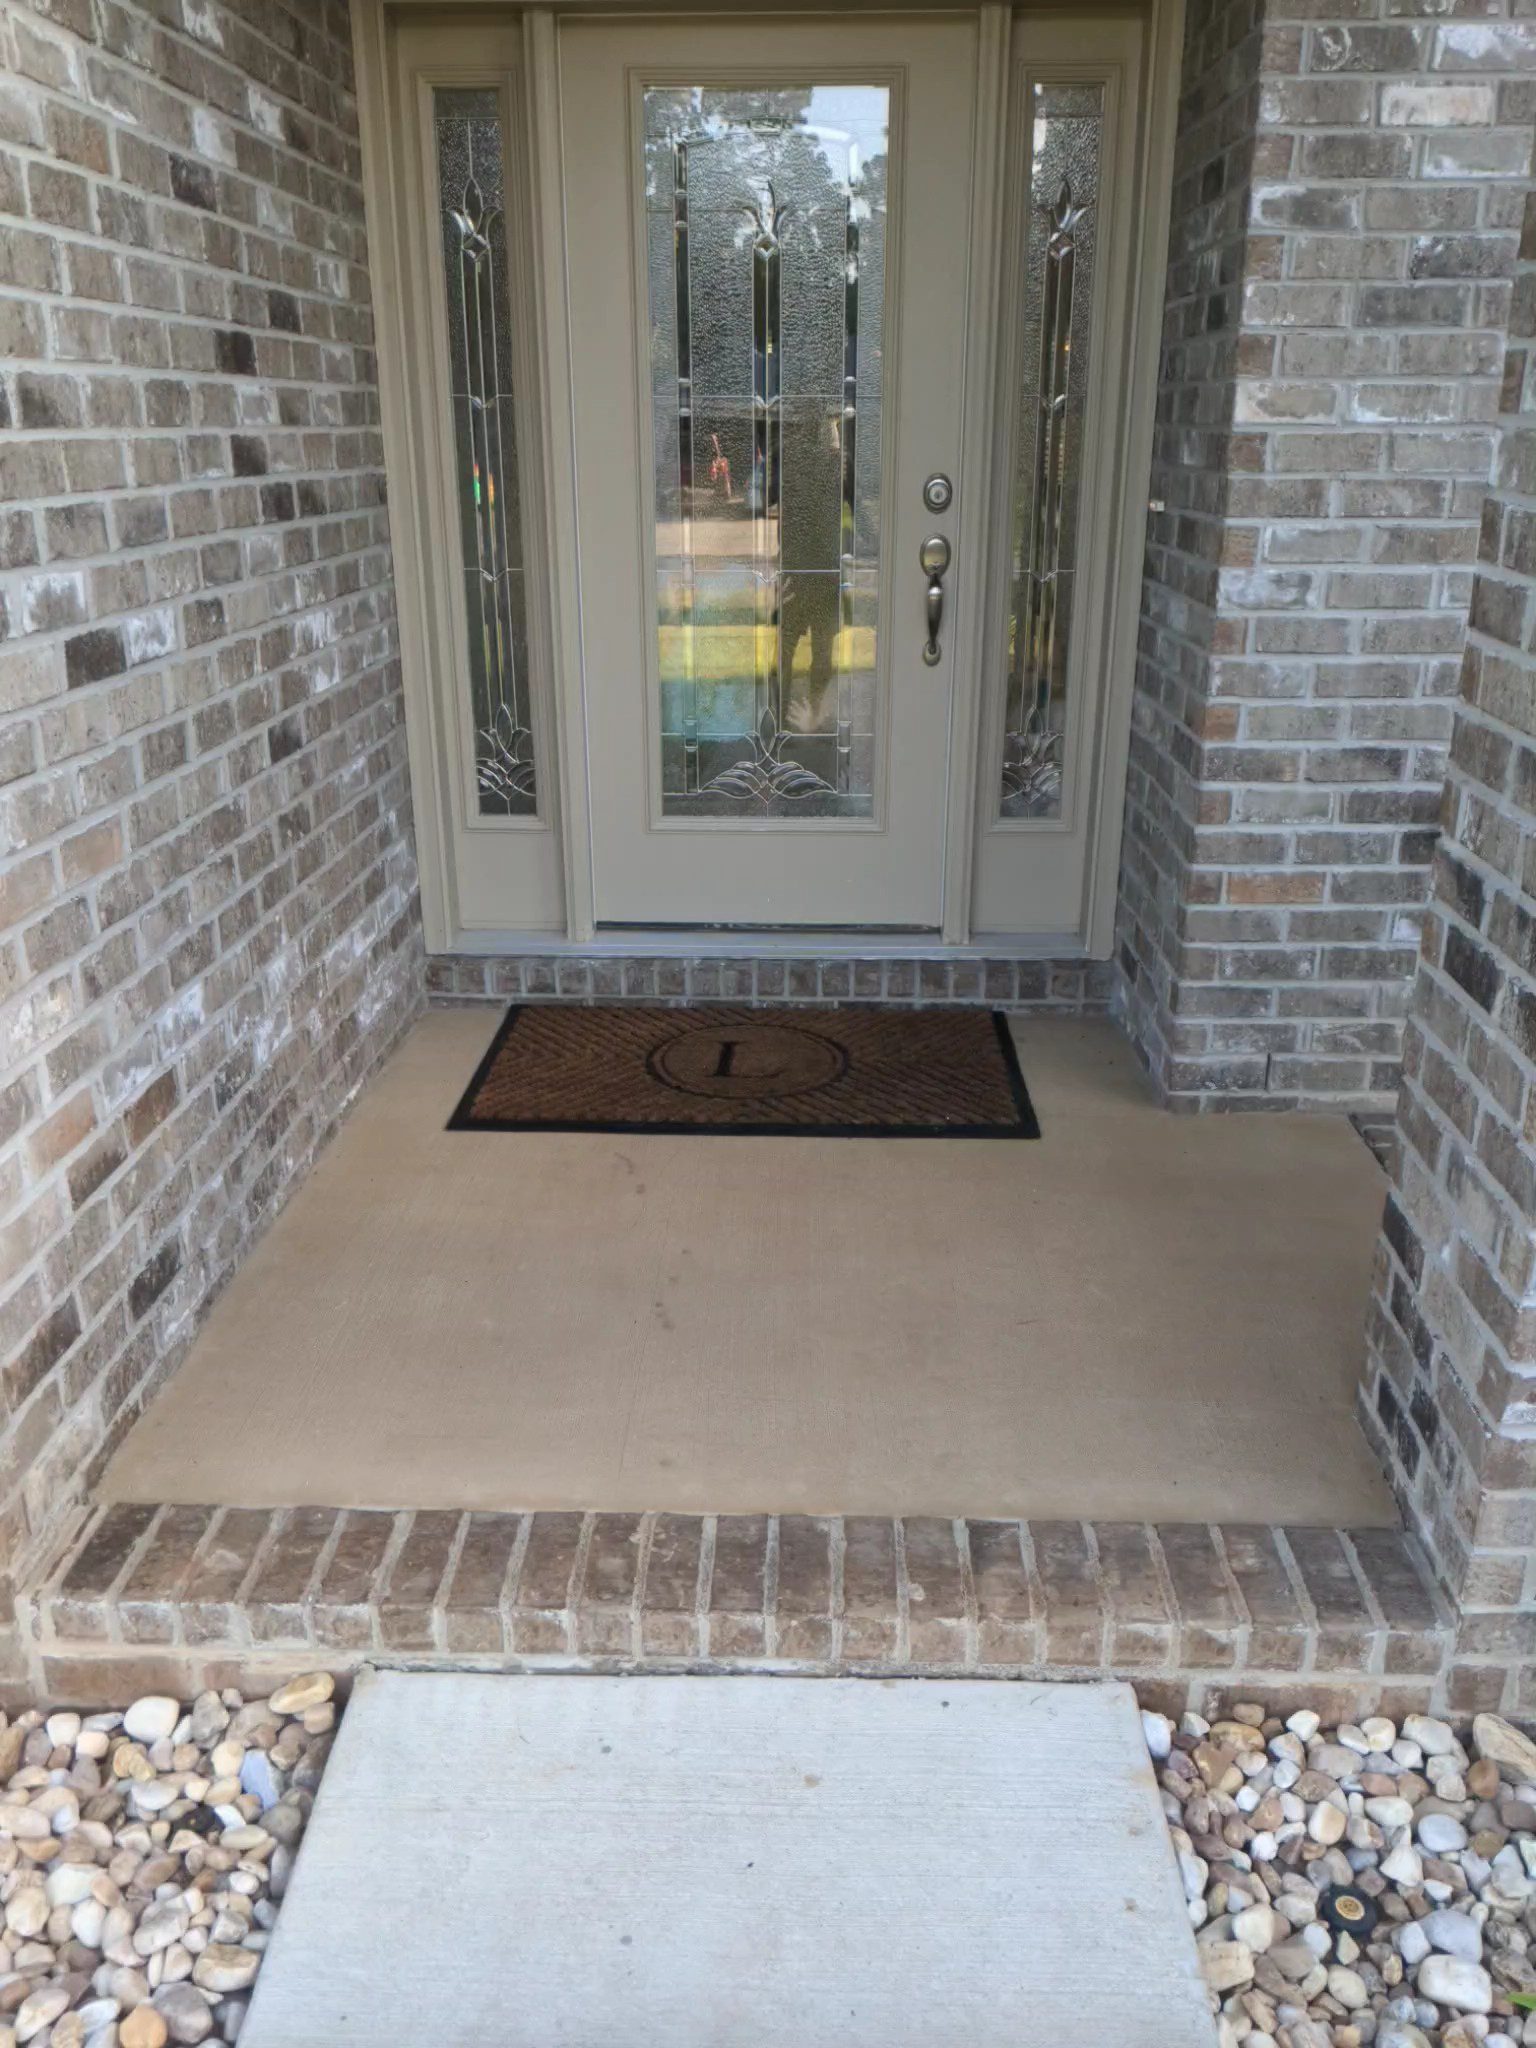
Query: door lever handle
pixel 933 556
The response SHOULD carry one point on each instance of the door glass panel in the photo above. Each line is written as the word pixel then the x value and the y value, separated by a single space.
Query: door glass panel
pixel 1061 195
pixel 766 225
pixel 471 187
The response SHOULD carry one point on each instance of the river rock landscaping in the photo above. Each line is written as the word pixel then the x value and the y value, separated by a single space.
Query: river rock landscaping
pixel 1369 1886
pixel 1357 1885
pixel 143 1857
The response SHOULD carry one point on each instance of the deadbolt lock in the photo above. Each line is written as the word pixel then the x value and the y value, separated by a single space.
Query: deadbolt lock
pixel 938 492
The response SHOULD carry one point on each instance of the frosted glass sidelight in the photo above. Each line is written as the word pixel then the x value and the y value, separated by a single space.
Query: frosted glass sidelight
pixel 766 224
pixel 1061 198
pixel 471 191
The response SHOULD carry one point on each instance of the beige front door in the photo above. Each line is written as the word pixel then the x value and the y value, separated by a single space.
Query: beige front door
pixel 766 237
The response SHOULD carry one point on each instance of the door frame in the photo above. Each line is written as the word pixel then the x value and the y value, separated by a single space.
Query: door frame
pixel 983 455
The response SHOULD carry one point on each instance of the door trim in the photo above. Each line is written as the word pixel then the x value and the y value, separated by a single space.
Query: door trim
pixel 1152 169
pixel 566 770
pixel 559 452
pixel 978 464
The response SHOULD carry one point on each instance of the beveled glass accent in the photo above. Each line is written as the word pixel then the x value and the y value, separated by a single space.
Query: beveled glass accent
pixel 472 197
pixel 766 219
pixel 1066 125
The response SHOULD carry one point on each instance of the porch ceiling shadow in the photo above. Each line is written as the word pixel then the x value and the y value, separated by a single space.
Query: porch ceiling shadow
pixel 1140 1316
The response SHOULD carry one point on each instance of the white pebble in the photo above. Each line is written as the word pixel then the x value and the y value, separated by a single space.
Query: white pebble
pixel 1465 1987
pixel 1388 1812
pixel 1257 1928
pixel 1509 1875
pixel 1225 1964
pixel 1454 1934
pixel 1413 1943
pixel 68 1883
pixel 1441 1833
pixel 1403 1864
pixel 41 2009
pixel 154 1795
pixel 1158 1730
pixel 151 1719
pixel 88 1922
pixel 1326 1822
pixel 26 1911
pixel 1348 1987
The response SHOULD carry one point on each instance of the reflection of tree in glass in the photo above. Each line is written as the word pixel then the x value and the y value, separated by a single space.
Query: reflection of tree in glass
pixel 776 202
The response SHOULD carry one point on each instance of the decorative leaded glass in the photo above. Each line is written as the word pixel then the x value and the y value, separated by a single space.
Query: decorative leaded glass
pixel 766 213
pixel 1065 138
pixel 471 187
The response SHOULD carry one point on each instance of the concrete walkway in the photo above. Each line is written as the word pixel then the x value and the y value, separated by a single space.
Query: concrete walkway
pixel 521 1862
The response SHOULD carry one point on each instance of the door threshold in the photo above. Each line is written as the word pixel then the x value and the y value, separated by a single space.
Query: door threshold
pixel 847 934
pixel 735 942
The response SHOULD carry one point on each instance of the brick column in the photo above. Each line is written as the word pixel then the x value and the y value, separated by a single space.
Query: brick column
pixel 209 927
pixel 1450 1387
pixel 1345 224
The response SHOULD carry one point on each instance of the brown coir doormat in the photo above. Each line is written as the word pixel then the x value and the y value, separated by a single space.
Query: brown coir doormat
pixel 753 1072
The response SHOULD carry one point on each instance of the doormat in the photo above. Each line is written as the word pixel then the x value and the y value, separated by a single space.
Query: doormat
pixel 854 1073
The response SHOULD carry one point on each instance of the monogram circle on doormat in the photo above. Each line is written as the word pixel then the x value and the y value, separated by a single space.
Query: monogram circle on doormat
pixel 747 1062
pixel 752 1071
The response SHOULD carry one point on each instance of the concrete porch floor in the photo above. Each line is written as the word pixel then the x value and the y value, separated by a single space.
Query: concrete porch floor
pixel 1139 1316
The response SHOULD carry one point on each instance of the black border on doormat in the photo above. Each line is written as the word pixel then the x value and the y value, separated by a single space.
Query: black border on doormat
pixel 1028 1125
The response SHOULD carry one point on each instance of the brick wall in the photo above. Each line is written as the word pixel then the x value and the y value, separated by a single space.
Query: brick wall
pixel 208 920
pixel 1450 1390
pixel 1344 232
pixel 1191 459
pixel 1060 987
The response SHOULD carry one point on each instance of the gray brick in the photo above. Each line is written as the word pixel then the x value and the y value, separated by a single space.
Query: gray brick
pixel 104 291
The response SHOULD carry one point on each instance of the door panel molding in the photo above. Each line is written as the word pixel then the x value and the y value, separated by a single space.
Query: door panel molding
pixel 893 79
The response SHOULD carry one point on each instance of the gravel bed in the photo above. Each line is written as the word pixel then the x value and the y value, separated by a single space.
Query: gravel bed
pixel 143 1857
pixel 1353 1885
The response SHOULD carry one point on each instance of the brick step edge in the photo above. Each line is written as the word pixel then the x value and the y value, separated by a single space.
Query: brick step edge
pixel 1185 1609
pixel 1073 987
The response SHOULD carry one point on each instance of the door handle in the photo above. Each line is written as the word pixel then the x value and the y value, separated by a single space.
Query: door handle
pixel 933 557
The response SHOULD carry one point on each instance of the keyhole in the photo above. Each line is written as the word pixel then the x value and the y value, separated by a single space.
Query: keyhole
pixel 727 1059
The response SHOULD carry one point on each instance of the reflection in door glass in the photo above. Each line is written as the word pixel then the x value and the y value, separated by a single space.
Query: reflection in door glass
pixel 766 217
pixel 472 198
pixel 1066 123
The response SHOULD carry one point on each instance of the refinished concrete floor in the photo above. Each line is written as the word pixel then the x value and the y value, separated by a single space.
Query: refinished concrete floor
pixel 1137 1316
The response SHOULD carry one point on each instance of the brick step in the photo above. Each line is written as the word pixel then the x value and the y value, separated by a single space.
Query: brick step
pixel 176 1597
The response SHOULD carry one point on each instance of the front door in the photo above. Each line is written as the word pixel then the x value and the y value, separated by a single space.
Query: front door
pixel 767 266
